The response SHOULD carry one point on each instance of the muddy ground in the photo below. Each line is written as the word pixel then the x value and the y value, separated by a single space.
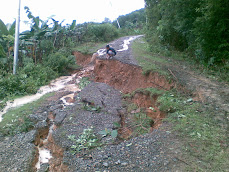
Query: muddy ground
pixel 159 150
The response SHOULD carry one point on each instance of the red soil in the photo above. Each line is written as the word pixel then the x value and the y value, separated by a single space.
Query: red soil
pixel 128 78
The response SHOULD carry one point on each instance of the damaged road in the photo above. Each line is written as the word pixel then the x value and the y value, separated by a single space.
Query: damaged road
pixel 100 104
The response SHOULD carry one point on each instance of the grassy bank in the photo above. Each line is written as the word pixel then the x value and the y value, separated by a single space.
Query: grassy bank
pixel 17 121
pixel 204 137
pixel 148 61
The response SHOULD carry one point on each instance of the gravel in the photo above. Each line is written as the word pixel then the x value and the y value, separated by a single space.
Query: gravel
pixel 123 56
pixel 79 118
pixel 17 152
pixel 150 152
pixel 156 151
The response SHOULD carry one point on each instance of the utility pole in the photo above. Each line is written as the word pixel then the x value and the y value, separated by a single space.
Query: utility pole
pixel 16 42
pixel 118 24
pixel 117 18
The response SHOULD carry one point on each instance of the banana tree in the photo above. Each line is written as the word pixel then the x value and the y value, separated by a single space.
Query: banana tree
pixel 6 45
pixel 61 33
pixel 2 52
pixel 7 36
pixel 31 39
pixel 57 29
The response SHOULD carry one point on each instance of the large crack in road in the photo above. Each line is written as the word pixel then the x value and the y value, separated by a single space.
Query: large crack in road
pixel 47 146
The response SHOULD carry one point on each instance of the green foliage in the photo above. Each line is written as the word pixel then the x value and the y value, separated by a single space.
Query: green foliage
pixel 203 134
pixel 89 47
pixel 168 103
pixel 117 125
pixel 140 123
pixel 17 121
pixel 149 91
pixel 6 43
pixel 84 82
pixel 11 28
pixel 92 108
pixel 27 81
pixel 2 52
pixel 102 32
pixel 149 61
pixel 201 27
pixel 211 30
pixel 36 44
pixel 86 141
pixel 153 56
pixel 47 46
pixel 133 23
pixel 3 28
pixel 108 132
pixel 23 125
pixel 59 62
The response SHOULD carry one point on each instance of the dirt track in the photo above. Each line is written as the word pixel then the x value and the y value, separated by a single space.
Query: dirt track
pixel 156 151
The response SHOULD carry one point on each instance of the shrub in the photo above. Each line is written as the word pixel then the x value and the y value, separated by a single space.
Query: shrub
pixel 102 32
pixel 31 76
pixel 27 81
pixel 46 46
pixel 42 74
pixel 58 62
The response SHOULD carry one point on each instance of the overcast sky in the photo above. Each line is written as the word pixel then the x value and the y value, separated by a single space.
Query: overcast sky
pixel 79 10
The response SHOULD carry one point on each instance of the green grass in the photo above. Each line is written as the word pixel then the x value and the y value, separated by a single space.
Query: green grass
pixel 16 120
pixel 215 72
pixel 140 122
pixel 205 139
pixel 89 47
pixel 148 61
pixel 145 91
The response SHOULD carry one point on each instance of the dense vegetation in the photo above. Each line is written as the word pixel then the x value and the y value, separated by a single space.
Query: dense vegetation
pixel 197 26
pixel 133 23
pixel 44 52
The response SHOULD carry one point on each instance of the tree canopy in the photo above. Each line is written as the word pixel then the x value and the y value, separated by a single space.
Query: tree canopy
pixel 201 27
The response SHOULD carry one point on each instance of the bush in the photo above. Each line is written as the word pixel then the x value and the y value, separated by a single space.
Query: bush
pixel 58 62
pixel 31 76
pixel 200 27
pixel 27 81
pixel 46 46
pixel 6 64
pixel 102 32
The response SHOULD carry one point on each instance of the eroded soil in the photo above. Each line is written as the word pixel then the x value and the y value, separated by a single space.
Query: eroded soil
pixel 159 150
pixel 127 77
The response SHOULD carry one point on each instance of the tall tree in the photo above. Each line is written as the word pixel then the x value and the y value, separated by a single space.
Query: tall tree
pixel 202 26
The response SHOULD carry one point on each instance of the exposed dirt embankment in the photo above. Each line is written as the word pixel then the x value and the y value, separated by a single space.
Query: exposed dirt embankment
pixel 146 101
pixel 127 78
pixel 82 59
